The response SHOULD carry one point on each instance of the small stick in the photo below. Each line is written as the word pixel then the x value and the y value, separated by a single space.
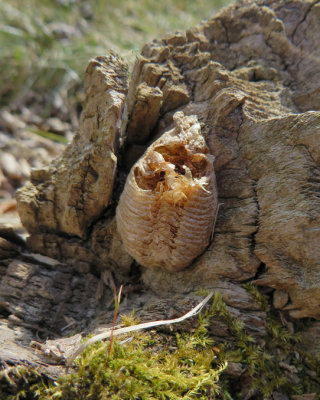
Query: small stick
pixel 145 325
pixel 117 305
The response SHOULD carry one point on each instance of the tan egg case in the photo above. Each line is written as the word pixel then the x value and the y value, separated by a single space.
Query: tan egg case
pixel 167 211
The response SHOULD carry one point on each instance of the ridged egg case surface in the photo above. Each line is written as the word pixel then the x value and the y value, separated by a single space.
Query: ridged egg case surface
pixel 167 210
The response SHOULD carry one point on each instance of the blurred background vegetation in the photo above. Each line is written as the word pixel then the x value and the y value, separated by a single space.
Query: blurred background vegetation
pixel 45 45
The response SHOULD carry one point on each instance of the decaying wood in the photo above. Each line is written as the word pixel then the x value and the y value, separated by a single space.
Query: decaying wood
pixel 250 75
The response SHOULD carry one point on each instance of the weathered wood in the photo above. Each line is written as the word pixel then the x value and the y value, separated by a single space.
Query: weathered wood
pixel 251 77
pixel 75 190
pixel 48 296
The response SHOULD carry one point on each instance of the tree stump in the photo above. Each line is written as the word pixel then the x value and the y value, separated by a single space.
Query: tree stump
pixel 251 77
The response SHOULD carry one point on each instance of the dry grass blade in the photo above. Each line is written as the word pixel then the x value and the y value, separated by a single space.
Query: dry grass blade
pixel 145 325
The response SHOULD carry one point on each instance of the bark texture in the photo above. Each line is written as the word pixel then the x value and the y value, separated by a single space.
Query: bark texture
pixel 251 76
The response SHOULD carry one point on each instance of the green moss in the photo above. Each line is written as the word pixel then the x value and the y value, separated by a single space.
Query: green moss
pixel 151 365
pixel 144 368
pixel 18 380
pixel 266 362
pixel 258 297
pixel 285 354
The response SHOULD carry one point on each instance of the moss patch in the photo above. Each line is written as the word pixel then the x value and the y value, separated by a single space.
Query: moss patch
pixel 150 366
pixel 190 365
